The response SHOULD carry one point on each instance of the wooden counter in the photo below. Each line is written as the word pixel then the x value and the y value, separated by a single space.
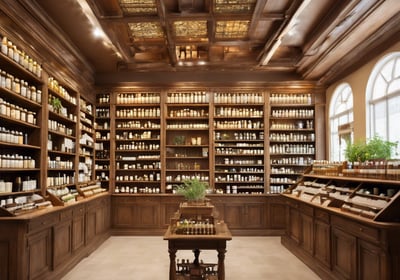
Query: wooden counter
pixel 47 243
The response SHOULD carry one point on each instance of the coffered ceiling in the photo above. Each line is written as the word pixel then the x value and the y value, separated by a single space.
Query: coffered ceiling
pixel 316 39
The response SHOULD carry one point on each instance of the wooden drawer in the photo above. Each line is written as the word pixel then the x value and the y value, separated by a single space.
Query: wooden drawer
pixel 360 230
pixel 43 221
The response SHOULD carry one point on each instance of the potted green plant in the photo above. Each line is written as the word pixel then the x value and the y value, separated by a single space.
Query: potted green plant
pixel 375 148
pixel 56 104
pixel 193 190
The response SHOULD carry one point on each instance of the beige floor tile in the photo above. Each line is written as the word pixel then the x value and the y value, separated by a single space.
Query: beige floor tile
pixel 146 258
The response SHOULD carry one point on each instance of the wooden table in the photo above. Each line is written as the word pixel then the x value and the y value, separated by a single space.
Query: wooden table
pixel 196 243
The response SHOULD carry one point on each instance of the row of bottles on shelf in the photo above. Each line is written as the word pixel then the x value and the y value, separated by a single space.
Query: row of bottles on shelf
pixel 139 146
pixel 57 163
pixel 86 128
pixel 138 124
pixel 292 149
pixel 139 166
pixel 60 127
pixel 187 112
pixel 142 177
pixel 241 170
pixel 19 185
pixel 85 107
pixel 17 161
pixel 137 136
pixel 138 112
pixel 101 136
pixel 138 98
pixel 283 170
pixel 138 157
pixel 293 113
pixel 309 124
pixel 239 136
pixel 13 136
pixel 276 188
pixel 101 153
pixel 231 161
pixel 280 180
pixel 282 98
pixel 188 166
pixel 183 177
pixel 238 112
pixel 233 151
pixel 103 99
pixel 239 98
pixel 99 167
pixel 19 86
pixel 292 137
pixel 293 161
pixel 102 113
pixel 248 189
pixel 239 178
pixel 127 189
pixel 188 97
pixel 19 56
pixel 54 85
pixel 60 180
pixel 67 145
pixel 239 124
pixel 187 125
pixel 17 112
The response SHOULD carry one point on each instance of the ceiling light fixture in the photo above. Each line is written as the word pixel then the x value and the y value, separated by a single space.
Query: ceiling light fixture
pixel 292 22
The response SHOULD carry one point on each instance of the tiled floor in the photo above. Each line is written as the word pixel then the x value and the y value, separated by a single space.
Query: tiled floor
pixel 146 258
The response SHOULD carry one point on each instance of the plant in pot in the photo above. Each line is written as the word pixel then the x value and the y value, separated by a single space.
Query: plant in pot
pixel 56 104
pixel 375 148
pixel 193 190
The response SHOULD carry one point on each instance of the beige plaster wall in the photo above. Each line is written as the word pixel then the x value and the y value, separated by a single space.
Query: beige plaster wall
pixel 358 82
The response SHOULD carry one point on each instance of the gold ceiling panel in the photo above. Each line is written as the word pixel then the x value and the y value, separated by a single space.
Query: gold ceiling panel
pixel 235 6
pixel 191 29
pixel 130 7
pixel 146 30
pixel 232 29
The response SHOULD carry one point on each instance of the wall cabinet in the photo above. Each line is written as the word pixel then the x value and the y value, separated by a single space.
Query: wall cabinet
pixel 137 143
pixel 291 138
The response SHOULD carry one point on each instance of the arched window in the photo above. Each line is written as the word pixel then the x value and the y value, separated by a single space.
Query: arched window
pixel 341 121
pixel 383 99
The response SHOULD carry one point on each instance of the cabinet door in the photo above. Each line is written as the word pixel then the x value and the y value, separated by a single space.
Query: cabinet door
pixel 254 216
pixel 276 215
pixel 78 232
pixel 293 224
pixel 233 214
pixel 344 254
pixel 62 242
pixel 122 215
pixel 39 253
pixel 322 242
pixel 307 233
pixel 146 214
pixel 371 262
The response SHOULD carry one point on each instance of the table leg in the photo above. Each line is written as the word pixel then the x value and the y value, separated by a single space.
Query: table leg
pixel 221 263
pixel 172 264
